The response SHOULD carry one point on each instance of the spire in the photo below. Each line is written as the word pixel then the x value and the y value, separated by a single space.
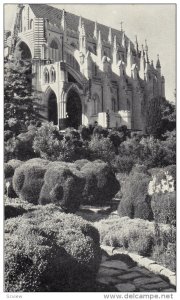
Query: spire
pixel 129 47
pixel 99 39
pixel 115 43
pixel 80 24
pixel 95 31
pixel 146 52
pixel 83 29
pixel 142 63
pixel 63 20
pixel 63 24
pixel 82 39
pixel 99 46
pixel 115 51
pixel 110 36
pixel 136 44
pixel 123 40
pixel 129 60
pixel 158 65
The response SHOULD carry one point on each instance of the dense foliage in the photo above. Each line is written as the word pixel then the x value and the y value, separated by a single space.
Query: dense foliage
pixel 48 251
pixel 20 101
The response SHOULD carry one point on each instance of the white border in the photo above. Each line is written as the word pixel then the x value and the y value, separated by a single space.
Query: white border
pixel 87 296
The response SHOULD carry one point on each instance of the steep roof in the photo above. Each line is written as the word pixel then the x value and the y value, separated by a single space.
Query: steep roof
pixel 54 16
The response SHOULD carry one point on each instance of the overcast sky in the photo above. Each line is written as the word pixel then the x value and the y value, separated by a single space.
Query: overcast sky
pixel 154 22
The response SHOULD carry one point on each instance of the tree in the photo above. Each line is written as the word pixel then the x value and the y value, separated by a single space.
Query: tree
pixel 153 117
pixel 20 100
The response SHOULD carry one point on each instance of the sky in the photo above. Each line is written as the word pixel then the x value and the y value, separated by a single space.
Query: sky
pixel 154 22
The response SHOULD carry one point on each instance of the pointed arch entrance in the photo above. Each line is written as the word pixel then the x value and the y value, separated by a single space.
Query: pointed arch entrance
pixel 52 108
pixel 73 109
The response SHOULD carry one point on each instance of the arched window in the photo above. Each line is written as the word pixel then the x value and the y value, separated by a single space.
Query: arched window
pixel 54 51
pixel 53 75
pixel 31 24
pixel 113 103
pixel 46 76
pixel 95 104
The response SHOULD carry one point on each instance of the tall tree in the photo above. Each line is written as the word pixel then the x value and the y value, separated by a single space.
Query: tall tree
pixel 20 100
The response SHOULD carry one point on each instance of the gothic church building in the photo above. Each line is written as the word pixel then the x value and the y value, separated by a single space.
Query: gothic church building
pixel 85 70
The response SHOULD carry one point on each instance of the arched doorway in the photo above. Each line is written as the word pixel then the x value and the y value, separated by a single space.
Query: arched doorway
pixel 23 52
pixel 74 110
pixel 52 108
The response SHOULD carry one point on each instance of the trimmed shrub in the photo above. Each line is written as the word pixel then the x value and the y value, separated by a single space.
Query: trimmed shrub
pixel 63 185
pixel 8 170
pixel 101 184
pixel 48 251
pixel 135 202
pixel 8 183
pixel 28 179
pixel 164 207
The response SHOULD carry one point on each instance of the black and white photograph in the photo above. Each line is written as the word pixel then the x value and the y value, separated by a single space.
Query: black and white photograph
pixel 89 116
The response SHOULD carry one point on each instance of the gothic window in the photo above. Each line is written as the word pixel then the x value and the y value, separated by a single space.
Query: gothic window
pixel 53 75
pixel 46 76
pixel 54 51
pixel 31 24
pixel 113 103
pixel 95 104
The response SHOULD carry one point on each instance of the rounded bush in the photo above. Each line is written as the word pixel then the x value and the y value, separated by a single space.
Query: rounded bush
pixel 28 179
pixel 8 170
pixel 101 184
pixel 63 185
pixel 49 251
pixel 136 202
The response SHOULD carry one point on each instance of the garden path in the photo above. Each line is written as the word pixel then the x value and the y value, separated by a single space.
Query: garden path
pixel 119 273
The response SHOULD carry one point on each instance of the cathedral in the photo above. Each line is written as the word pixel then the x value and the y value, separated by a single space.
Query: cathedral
pixel 85 72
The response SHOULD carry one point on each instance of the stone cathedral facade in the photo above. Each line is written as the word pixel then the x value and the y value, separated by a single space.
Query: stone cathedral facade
pixel 85 70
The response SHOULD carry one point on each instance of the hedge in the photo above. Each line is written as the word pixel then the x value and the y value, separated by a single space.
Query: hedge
pixel 28 179
pixel 63 185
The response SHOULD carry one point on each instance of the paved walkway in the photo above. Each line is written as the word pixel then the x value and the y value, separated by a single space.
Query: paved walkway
pixel 119 273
